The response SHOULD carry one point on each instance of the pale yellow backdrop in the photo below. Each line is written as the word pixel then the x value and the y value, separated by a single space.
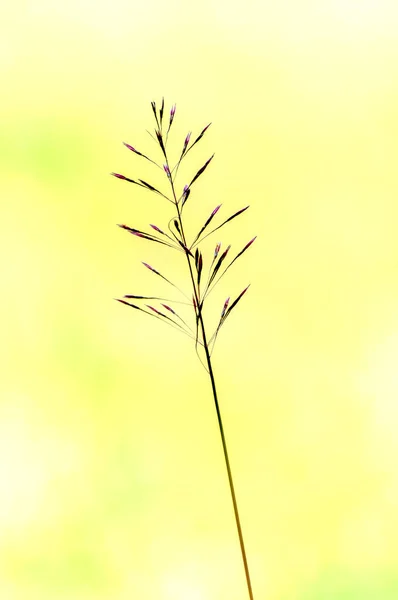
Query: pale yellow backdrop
pixel 112 482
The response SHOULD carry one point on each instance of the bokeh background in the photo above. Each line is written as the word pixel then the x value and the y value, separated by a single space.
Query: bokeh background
pixel 112 482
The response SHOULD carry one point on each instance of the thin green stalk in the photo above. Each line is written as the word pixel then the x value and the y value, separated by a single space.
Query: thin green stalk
pixel 216 403
pixel 224 445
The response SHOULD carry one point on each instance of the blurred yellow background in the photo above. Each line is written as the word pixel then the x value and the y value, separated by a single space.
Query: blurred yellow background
pixel 113 485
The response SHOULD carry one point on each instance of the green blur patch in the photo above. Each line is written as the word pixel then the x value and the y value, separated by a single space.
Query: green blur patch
pixel 366 584
pixel 65 563
pixel 51 150
pixel 84 359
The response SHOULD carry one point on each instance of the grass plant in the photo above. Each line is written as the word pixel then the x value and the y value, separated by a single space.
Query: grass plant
pixel 202 279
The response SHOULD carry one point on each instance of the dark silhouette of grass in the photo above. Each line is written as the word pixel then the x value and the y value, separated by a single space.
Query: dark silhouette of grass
pixel 201 286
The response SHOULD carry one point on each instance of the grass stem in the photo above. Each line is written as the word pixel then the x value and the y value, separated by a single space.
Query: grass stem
pixel 216 403
pixel 224 445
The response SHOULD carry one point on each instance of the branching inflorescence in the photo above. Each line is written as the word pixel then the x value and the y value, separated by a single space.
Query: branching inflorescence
pixel 173 236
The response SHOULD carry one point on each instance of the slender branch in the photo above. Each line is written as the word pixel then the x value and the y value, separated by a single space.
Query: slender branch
pixel 199 305
pixel 224 445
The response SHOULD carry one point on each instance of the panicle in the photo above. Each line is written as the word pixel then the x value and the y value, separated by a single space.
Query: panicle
pixel 171 118
pixel 160 140
pixel 185 194
pixel 157 229
pixel 225 306
pixel 161 112
pixel 169 308
pixel 249 243
pixel 175 238
pixel 149 267
pixel 216 210
pixel 186 141
pixel 201 135
pixel 202 169
pixel 153 104
pixel 130 148
pixel 200 267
